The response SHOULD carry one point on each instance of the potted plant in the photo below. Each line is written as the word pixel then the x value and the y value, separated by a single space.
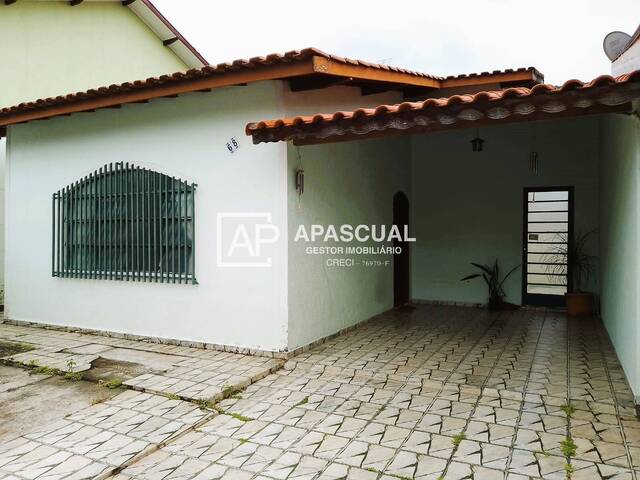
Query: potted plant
pixel 495 284
pixel 573 257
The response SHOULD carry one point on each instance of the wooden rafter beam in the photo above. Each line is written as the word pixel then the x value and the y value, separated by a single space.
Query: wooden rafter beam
pixel 363 72
pixel 315 82
pixel 528 76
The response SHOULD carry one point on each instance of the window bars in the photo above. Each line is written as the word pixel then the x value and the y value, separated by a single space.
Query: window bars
pixel 123 222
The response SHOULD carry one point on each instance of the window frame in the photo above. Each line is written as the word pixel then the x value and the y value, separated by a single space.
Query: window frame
pixel 124 222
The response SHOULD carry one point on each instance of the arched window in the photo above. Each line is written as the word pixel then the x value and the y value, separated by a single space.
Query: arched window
pixel 123 222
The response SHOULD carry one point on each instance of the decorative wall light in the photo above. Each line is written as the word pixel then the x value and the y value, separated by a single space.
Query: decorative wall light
pixel 477 143
pixel 300 181
pixel 299 178
pixel 533 156
pixel 533 163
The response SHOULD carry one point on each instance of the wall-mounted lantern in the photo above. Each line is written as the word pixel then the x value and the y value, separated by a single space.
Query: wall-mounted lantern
pixel 477 143
pixel 300 181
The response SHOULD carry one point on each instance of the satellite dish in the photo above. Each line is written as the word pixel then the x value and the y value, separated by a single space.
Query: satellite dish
pixel 614 44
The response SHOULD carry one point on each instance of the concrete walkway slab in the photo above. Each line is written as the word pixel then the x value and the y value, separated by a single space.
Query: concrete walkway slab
pixel 190 373
pixel 29 401
pixel 99 440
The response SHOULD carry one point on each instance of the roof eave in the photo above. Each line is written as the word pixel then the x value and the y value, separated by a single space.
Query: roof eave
pixel 309 62
pixel 195 58
pixel 602 95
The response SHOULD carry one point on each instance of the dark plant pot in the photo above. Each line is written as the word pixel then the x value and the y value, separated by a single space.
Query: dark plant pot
pixel 579 304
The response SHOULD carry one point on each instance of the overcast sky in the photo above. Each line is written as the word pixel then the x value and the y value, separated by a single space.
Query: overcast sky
pixel 562 38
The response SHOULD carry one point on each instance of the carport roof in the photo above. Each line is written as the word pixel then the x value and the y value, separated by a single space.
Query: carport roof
pixel 573 98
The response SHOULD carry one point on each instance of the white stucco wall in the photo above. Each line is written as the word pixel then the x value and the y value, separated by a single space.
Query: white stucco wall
pixel 184 137
pixel 467 207
pixel 345 183
pixel 619 249
pixel 3 143
pixel 333 99
pixel 51 49
pixel 629 61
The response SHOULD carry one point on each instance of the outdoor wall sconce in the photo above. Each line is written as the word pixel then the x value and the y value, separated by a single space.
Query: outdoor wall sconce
pixel 477 143
pixel 300 181
pixel 533 163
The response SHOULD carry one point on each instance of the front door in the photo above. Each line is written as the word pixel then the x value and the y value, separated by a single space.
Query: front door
pixel 548 229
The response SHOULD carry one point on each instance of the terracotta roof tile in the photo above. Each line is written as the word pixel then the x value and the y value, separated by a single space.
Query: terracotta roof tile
pixel 288 128
pixel 185 82
pixel 534 70
pixel 206 71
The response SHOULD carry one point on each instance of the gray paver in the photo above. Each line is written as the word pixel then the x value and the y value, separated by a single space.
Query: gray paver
pixel 385 401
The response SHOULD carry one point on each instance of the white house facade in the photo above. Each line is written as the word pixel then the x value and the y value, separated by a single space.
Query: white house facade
pixel 55 47
pixel 463 165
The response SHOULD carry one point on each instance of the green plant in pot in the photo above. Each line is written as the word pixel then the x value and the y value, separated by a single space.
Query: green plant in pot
pixel 495 284
pixel 573 257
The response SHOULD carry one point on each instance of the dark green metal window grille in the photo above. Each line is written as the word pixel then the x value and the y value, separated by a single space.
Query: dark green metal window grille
pixel 123 222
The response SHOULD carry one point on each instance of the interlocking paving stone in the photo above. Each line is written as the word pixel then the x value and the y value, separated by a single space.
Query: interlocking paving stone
pixel 385 401
pixel 99 438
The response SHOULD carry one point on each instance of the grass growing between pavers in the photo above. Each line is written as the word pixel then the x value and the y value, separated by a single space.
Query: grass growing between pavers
pixel 457 440
pixel 112 383
pixel 42 369
pixel 12 348
pixel 69 374
pixel 240 417
pixel 568 410
pixel 231 392
pixel 567 446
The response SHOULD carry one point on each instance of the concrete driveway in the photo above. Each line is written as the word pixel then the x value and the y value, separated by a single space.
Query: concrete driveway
pixel 432 392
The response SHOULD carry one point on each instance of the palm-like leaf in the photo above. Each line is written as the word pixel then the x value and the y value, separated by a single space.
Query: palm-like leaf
pixel 491 276
pixel 571 257
pixel 485 268
pixel 469 277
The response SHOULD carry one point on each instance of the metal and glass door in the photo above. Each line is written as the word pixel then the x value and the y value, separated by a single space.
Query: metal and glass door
pixel 548 227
